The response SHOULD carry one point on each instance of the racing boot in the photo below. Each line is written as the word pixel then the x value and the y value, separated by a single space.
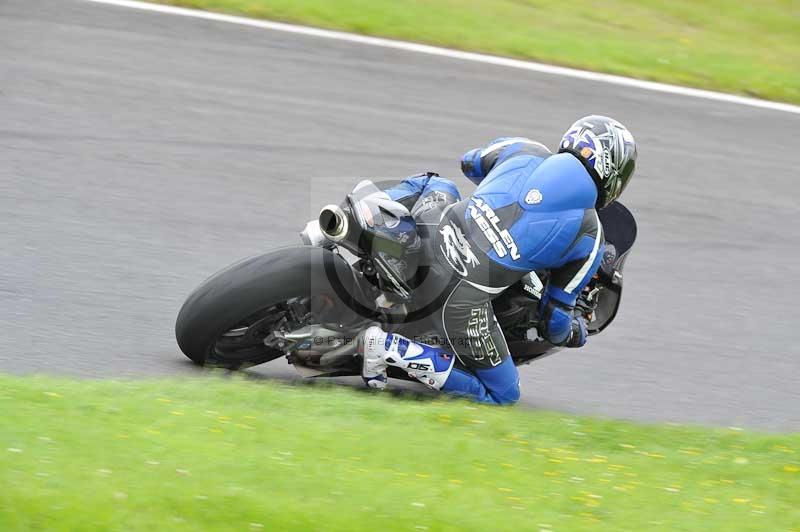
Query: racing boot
pixel 370 346
pixel 429 365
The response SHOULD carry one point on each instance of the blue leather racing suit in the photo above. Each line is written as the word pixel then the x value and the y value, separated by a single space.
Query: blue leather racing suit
pixel 533 211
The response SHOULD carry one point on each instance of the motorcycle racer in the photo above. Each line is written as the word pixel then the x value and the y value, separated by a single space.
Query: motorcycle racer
pixel 532 211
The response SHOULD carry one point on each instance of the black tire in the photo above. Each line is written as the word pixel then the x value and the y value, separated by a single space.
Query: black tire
pixel 247 290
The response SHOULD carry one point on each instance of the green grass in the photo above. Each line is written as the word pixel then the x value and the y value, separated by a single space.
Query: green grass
pixel 228 454
pixel 750 48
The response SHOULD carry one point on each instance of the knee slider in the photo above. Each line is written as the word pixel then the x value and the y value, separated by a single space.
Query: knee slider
pixel 508 396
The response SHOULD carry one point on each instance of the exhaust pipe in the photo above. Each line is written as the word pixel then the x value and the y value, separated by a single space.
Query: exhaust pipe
pixel 333 223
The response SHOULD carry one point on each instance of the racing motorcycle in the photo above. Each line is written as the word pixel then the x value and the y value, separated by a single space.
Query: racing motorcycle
pixel 307 303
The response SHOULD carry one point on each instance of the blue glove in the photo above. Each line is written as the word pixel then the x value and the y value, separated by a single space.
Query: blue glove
pixel 577 337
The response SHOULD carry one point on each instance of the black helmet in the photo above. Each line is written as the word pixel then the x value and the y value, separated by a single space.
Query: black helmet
pixel 608 151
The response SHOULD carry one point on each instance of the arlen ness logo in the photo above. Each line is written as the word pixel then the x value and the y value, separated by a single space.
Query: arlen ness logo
pixel 503 244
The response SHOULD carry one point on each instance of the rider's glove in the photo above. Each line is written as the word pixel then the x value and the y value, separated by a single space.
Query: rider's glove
pixel 563 326
pixel 577 337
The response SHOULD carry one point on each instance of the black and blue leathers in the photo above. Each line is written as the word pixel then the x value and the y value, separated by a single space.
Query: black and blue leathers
pixel 544 206
pixel 532 213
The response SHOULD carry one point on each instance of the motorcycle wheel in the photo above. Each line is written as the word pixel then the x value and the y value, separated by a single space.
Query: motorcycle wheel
pixel 229 319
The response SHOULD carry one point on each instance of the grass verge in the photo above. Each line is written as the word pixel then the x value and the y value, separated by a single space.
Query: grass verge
pixel 750 48
pixel 227 454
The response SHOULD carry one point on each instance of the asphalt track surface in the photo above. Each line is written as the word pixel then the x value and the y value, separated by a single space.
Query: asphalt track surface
pixel 140 152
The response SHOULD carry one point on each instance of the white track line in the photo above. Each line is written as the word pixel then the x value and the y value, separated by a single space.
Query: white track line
pixel 455 54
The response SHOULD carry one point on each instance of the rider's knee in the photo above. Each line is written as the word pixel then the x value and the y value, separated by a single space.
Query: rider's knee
pixel 508 396
pixel 501 382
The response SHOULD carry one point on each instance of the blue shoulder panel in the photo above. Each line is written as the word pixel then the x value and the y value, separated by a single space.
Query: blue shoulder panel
pixel 542 204
pixel 563 184
pixel 478 163
pixel 506 177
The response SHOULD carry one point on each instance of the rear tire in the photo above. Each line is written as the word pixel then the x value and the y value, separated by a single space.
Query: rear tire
pixel 248 294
